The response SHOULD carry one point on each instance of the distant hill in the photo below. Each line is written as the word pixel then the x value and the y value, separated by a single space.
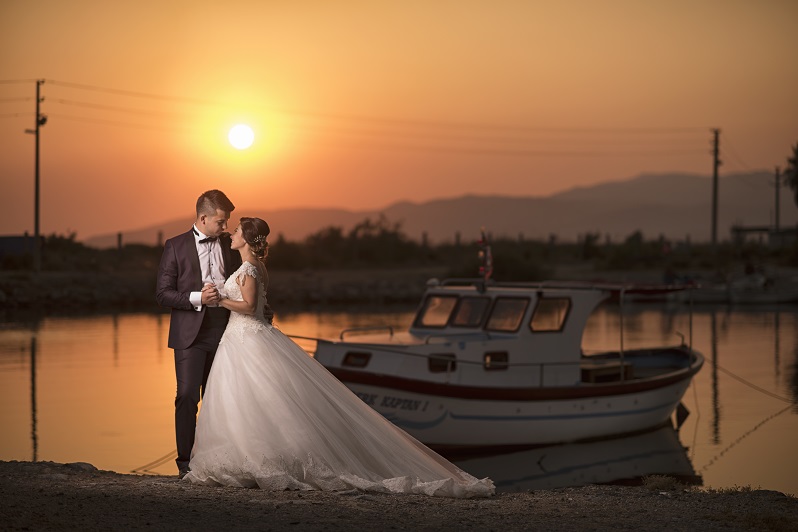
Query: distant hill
pixel 677 206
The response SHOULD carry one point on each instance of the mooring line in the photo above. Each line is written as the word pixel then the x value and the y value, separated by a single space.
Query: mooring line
pixel 742 437
pixel 755 427
pixel 155 463
pixel 752 385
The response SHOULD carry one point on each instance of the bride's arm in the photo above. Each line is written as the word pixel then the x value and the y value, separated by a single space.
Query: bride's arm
pixel 249 293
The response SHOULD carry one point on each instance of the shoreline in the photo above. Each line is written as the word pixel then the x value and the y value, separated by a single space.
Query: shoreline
pixel 49 495
pixel 129 291
pixel 68 291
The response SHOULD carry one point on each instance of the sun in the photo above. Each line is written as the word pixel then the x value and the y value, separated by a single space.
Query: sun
pixel 241 136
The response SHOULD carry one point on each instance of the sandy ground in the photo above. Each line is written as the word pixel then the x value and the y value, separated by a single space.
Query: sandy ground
pixel 52 496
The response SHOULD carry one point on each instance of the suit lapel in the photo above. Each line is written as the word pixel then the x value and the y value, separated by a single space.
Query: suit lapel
pixel 227 255
pixel 193 258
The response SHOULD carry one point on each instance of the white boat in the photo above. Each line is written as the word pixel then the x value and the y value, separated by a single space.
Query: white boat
pixel 743 288
pixel 500 365
pixel 758 288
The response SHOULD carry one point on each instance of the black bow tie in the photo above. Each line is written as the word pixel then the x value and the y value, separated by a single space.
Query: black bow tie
pixel 206 239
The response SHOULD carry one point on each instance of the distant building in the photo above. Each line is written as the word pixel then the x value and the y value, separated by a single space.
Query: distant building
pixel 765 234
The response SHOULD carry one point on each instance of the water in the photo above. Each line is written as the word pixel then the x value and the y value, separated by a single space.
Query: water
pixel 100 389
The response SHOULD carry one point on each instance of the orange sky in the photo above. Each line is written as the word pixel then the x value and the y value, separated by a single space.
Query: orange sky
pixel 359 104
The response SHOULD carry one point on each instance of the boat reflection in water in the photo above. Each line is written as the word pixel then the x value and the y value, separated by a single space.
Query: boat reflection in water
pixel 624 460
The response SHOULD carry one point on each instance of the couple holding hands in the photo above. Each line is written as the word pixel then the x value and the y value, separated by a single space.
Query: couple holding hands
pixel 272 417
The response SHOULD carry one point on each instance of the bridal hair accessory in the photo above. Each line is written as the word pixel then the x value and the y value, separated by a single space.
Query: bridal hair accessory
pixel 260 240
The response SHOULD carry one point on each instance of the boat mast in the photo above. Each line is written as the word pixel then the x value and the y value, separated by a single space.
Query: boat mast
pixel 485 257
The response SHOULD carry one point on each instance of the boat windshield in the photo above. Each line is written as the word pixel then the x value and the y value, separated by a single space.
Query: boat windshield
pixel 436 311
pixel 550 314
pixel 507 314
pixel 470 311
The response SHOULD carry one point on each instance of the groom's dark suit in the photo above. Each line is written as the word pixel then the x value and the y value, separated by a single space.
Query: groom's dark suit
pixel 193 334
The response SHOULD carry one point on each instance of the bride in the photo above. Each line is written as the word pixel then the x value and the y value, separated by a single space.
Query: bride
pixel 272 417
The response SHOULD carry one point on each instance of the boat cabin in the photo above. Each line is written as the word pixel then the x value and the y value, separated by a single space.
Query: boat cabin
pixel 542 323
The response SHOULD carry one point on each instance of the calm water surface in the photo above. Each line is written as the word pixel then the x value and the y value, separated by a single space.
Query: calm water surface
pixel 100 389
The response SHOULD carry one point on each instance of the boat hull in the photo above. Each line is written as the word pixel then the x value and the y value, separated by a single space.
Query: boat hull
pixel 448 417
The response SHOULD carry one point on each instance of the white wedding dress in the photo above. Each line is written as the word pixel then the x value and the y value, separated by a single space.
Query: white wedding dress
pixel 272 417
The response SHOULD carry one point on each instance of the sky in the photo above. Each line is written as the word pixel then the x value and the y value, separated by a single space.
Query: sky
pixel 361 104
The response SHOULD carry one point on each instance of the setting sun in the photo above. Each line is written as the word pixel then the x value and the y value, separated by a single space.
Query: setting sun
pixel 241 136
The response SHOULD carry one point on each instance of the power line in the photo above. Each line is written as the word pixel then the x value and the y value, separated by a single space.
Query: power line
pixel 734 153
pixel 112 122
pixel 402 122
pixel 89 105
pixel 379 132
pixel 525 152
pixel 486 137
pixel 496 126
pixel 132 93
pixel 462 149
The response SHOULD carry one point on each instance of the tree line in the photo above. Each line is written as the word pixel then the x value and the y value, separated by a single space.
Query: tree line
pixel 378 243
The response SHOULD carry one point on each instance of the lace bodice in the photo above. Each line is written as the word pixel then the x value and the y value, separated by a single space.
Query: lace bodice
pixel 240 324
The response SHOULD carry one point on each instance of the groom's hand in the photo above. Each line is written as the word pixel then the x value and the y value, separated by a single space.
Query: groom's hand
pixel 210 295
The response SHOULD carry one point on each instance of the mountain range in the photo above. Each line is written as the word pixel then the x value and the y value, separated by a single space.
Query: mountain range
pixel 676 206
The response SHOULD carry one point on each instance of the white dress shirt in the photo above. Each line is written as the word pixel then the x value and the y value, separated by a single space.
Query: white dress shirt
pixel 211 263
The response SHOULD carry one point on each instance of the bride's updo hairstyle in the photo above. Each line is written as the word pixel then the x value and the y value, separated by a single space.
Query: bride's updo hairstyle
pixel 255 232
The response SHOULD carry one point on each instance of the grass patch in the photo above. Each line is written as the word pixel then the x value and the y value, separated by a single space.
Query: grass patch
pixel 733 489
pixel 662 483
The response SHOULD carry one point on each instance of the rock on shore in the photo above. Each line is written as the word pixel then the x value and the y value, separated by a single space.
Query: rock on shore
pixel 47 495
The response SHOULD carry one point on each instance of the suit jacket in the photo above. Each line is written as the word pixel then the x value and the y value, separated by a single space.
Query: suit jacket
pixel 179 274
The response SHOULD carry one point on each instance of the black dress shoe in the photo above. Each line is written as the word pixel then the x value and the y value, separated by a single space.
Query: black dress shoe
pixel 182 472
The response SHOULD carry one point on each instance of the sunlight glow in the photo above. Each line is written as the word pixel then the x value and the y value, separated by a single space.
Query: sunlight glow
pixel 241 136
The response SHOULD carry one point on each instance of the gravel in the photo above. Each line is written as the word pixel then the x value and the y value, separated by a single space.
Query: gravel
pixel 53 496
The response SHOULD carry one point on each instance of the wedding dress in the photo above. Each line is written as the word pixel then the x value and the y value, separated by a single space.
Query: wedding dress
pixel 273 417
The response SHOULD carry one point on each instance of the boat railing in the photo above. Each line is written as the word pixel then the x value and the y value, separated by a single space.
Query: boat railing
pixel 389 328
pixel 627 287
pixel 452 363
pixel 667 288
pixel 454 337
pixel 482 284
pixel 603 366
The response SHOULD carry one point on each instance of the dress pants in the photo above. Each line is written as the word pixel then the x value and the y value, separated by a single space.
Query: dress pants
pixel 192 367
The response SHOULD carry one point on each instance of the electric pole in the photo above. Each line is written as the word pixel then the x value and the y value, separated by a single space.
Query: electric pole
pixel 778 185
pixel 40 121
pixel 715 164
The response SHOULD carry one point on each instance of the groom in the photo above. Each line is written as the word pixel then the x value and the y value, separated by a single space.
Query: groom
pixel 193 267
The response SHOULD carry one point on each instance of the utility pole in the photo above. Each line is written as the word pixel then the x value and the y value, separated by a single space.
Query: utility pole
pixel 715 164
pixel 778 186
pixel 40 121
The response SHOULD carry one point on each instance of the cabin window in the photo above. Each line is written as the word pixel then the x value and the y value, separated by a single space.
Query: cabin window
pixel 356 360
pixel 507 314
pixel 550 314
pixel 436 311
pixel 496 360
pixel 442 362
pixel 470 311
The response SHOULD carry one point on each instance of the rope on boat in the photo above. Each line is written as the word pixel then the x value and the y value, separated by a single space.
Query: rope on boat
pixel 755 427
pixel 145 469
pixel 753 386
pixel 743 436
